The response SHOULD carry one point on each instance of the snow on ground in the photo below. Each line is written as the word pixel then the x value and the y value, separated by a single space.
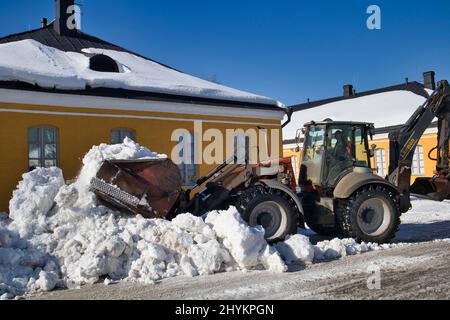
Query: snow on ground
pixel 399 105
pixel 59 236
pixel 32 62
pixel 428 220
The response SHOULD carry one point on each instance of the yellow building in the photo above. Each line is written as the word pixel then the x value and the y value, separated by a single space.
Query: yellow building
pixel 63 91
pixel 387 108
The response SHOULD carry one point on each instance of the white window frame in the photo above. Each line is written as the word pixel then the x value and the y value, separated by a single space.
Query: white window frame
pixel 381 167
pixel 42 158
pixel 418 164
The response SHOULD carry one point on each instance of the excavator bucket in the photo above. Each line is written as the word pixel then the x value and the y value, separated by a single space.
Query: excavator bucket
pixel 437 188
pixel 150 188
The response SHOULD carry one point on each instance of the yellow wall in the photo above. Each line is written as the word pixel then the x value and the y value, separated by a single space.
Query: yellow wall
pixel 428 142
pixel 77 134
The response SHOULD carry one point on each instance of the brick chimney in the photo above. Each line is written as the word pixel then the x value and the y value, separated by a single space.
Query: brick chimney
pixel 348 90
pixel 65 17
pixel 429 80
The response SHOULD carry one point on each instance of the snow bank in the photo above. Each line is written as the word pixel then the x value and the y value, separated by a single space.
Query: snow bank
pixel 297 249
pixel 33 199
pixel 246 244
pixel 78 241
pixel 32 62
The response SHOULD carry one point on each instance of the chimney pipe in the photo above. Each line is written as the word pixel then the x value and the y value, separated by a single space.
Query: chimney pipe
pixel 348 90
pixel 429 80
pixel 64 18
pixel 44 22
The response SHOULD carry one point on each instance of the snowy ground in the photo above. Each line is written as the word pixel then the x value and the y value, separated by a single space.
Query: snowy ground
pixel 59 237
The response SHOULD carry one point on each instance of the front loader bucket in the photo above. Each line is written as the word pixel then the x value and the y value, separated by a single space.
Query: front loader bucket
pixel 437 188
pixel 150 188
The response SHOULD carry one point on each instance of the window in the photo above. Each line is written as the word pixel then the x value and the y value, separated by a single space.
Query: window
pixel 187 166
pixel 118 135
pixel 42 147
pixel 102 63
pixel 380 162
pixel 418 167
pixel 314 143
pixel 361 151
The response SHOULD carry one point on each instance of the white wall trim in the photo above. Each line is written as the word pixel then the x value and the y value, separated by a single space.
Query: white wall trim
pixel 107 103
pixel 129 116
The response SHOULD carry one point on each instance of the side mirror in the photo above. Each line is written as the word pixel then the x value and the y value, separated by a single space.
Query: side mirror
pixel 373 147
pixel 300 135
pixel 299 138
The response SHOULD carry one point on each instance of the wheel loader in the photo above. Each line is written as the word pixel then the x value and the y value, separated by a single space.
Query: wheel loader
pixel 340 195
pixel 264 194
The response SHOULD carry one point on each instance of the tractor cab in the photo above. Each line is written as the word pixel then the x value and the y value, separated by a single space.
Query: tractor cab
pixel 331 149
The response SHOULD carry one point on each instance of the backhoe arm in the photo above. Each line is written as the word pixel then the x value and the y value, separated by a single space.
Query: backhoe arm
pixel 403 142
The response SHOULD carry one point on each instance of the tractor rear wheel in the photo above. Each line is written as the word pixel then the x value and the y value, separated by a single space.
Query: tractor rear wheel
pixel 261 207
pixel 370 215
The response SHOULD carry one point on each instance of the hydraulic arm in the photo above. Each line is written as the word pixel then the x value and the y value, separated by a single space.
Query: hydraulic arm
pixel 403 142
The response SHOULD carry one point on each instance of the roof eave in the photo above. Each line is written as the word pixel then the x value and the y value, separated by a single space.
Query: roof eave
pixel 141 95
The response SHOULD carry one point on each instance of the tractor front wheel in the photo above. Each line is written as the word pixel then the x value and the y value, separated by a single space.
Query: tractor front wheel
pixel 259 207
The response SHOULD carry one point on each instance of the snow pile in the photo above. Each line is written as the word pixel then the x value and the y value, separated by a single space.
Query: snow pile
pixel 246 245
pixel 33 198
pixel 78 241
pixel 32 62
pixel 296 250
pixel 338 248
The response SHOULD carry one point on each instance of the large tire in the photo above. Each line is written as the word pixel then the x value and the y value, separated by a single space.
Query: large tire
pixel 269 209
pixel 370 215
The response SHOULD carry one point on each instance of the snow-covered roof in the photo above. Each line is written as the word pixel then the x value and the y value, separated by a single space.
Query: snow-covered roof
pixel 34 63
pixel 383 109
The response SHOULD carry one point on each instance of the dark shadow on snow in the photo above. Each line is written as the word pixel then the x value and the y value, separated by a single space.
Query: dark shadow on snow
pixel 423 232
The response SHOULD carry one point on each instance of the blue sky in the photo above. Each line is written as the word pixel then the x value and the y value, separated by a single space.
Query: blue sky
pixel 289 50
